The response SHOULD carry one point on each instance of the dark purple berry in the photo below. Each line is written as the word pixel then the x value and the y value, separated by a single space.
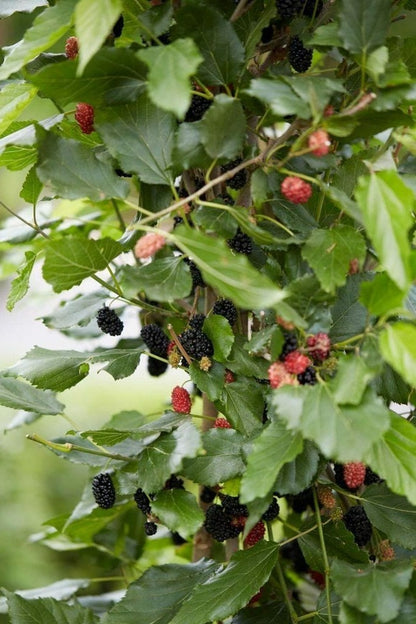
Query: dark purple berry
pixel 226 308
pixel 109 322
pixel 357 522
pixel 272 511
pixel 239 179
pixel 142 501
pixel 300 58
pixel 241 243
pixel 199 106
pixel 150 528
pixel 103 490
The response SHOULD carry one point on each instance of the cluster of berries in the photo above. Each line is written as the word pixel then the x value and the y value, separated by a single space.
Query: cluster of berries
pixel 227 520
pixel 290 8
pixel 294 366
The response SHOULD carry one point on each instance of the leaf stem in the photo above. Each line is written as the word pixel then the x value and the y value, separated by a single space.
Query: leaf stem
pixel 324 555
pixel 67 447
pixel 118 214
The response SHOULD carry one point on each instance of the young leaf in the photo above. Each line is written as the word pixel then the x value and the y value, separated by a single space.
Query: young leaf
pixel 47 29
pixel 232 588
pixel 234 276
pixel 31 188
pixel 179 511
pixel 20 284
pixel 170 68
pixel 375 590
pixel 80 174
pixel 71 260
pixel 140 136
pixel 392 514
pixel 398 347
pixel 329 253
pixel 219 331
pixel 20 395
pixel 94 20
pixel 274 447
pixel 243 405
pixel 166 455
pixel 386 204
pixel 223 127
pixel 14 97
pixel 221 461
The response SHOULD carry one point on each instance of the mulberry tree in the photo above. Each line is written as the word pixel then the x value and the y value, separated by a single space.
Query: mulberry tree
pixel 238 176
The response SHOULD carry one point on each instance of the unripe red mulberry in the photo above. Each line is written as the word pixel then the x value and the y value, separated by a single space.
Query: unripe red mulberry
pixel 319 346
pixel 222 423
pixel 84 116
pixel 255 535
pixel 296 190
pixel 71 47
pixel 181 401
pixel 279 376
pixel 354 474
pixel 319 142
pixel 148 245
pixel 296 363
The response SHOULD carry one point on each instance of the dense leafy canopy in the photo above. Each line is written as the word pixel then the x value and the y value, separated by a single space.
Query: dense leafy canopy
pixel 242 175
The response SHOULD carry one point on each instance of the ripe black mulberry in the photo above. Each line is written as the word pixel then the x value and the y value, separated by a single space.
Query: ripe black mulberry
pixel 109 322
pixel 103 490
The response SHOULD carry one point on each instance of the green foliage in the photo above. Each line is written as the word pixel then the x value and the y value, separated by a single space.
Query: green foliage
pixel 295 320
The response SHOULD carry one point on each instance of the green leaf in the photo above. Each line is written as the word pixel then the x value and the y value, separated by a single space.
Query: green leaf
pixel 386 203
pixel 219 331
pixel 113 76
pixel 339 543
pixel 31 188
pixel 164 279
pixel 381 295
pixel 340 431
pixel 179 511
pixel 140 136
pixel 54 370
pixel 71 260
pixel 234 276
pixel 60 590
pixel 211 381
pixel 144 603
pixel 243 363
pixel 223 127
pixel 398 348
pixel 232 588
pixel 47 29
pixel 274 447
pixel 94 20
pixel 243 404
pixel 79 311
pixel 14 97
pixel 170 68
pixel 165 456
pixel 80 173
pixel 221 460
pixel 296 475
pixel 279 96
pixel 47 611
pixel 351 615
pixel 20 395
pixel 20 284
pixel 329 253
pixel 408 607
pixel 121 362
pixel 363 27
pixel 375 590
pixel 222 51
pixel 392 457
pixel 391 514
pixel 8 7
pixel 349 317
pixel 106 437
pixel 351 380
pixel 189 151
